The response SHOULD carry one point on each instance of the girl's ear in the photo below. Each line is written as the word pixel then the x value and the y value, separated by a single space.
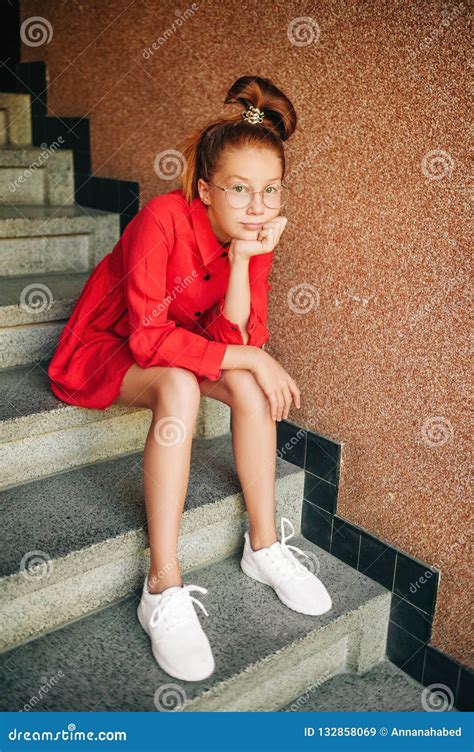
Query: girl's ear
pixel 203 189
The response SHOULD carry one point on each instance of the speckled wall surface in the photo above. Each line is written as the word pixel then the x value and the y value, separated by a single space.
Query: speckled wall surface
pixel 369 303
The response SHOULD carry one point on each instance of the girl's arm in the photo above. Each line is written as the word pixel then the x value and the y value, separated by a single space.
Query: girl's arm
pixel 237 298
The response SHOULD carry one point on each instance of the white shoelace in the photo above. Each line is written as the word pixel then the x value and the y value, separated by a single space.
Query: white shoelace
pixel 282 558
pixel 181 606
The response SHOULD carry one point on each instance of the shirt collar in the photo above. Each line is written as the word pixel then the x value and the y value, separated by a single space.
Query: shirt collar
pixel 209 246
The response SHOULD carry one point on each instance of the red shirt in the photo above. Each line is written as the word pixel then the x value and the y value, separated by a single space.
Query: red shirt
pixel 156 300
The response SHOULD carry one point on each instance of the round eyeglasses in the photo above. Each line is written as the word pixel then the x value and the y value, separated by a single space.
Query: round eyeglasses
pixel 240 195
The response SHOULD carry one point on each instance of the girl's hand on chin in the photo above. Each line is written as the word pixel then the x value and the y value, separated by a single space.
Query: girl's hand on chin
pixel 267 238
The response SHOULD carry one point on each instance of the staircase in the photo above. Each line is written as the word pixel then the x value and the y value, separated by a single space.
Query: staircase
pixel 75 545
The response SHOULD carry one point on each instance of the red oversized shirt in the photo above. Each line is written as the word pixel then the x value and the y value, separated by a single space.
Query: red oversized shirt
pixel 156 300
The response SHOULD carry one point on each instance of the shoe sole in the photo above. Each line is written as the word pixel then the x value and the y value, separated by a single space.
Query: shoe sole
pixel 247 569
pixel 163 664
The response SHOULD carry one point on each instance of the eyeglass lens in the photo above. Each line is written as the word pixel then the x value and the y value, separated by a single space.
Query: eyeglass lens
pixel 240 196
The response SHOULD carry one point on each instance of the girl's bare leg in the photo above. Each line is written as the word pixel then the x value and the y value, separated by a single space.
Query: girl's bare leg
pixel 173 396
pixel 254 447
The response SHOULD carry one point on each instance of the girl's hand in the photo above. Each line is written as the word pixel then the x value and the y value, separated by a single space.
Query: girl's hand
pixel 276 383
pixel 267 238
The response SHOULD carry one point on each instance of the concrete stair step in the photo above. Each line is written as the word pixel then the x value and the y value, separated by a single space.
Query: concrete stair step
pixel 37 298
pixel 86 532
pixel 32 175
pixel 266 654
pixel 16 119
pixel 385 688
pixel 41 435
pixel 23 345
pixel 41 239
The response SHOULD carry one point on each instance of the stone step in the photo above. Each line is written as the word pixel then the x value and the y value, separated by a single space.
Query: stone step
pixel 42 239
pixel 86 532
pixel 266 654
pixel 33 311
pixel 41 435
pixel 385 688
pixel 16 119
pixel 37 298
pixel 22 345
pixel 32 175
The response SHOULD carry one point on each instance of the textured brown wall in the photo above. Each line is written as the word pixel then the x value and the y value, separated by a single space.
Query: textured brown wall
pixel 377 234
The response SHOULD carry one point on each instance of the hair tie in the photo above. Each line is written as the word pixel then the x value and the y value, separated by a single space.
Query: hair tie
pixel 253 115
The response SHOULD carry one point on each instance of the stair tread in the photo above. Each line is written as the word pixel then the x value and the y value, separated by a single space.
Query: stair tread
pixel 30 148
pixel 25 392
pixel 63 285
pixel 385 688
pixel 48 212
pixel 78 508
pixel 247 623
pixel 13 155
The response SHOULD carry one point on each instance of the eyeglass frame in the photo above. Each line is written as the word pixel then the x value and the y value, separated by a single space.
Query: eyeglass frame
pixel 253 193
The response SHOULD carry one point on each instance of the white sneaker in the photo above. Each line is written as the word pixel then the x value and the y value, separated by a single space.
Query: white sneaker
pixel 295 585
pixel 179 644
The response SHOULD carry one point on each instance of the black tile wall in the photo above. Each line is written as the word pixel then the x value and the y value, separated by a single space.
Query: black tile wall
pixel 316 525
pixel 406 651
pixel 464 699
pixel 291 443
pixel 441 669
pixel 345 541
pixel 412 619
pixel 376 560
pixel 323 458
pixel 108 194
pixel 416 582
pixel 320 493
pixel 413 584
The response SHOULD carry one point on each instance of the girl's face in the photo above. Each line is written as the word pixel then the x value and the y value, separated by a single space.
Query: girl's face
pixel 258 170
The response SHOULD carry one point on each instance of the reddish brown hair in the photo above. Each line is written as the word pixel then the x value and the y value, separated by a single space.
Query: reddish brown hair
pixel 204 147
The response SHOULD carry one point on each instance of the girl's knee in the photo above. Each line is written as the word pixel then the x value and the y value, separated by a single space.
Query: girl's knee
pixel 176 386
pixel 243 389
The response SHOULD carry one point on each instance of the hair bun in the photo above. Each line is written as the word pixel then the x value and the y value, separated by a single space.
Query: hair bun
pixel 279 113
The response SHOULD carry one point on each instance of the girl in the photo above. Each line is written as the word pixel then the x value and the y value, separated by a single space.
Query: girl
pixel 178 309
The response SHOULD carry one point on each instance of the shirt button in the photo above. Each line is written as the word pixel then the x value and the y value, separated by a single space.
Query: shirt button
pixel 224 254
pixel 198 313
pixel 207 276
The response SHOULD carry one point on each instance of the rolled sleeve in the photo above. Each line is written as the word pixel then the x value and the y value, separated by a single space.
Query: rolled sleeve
pixel 155 340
